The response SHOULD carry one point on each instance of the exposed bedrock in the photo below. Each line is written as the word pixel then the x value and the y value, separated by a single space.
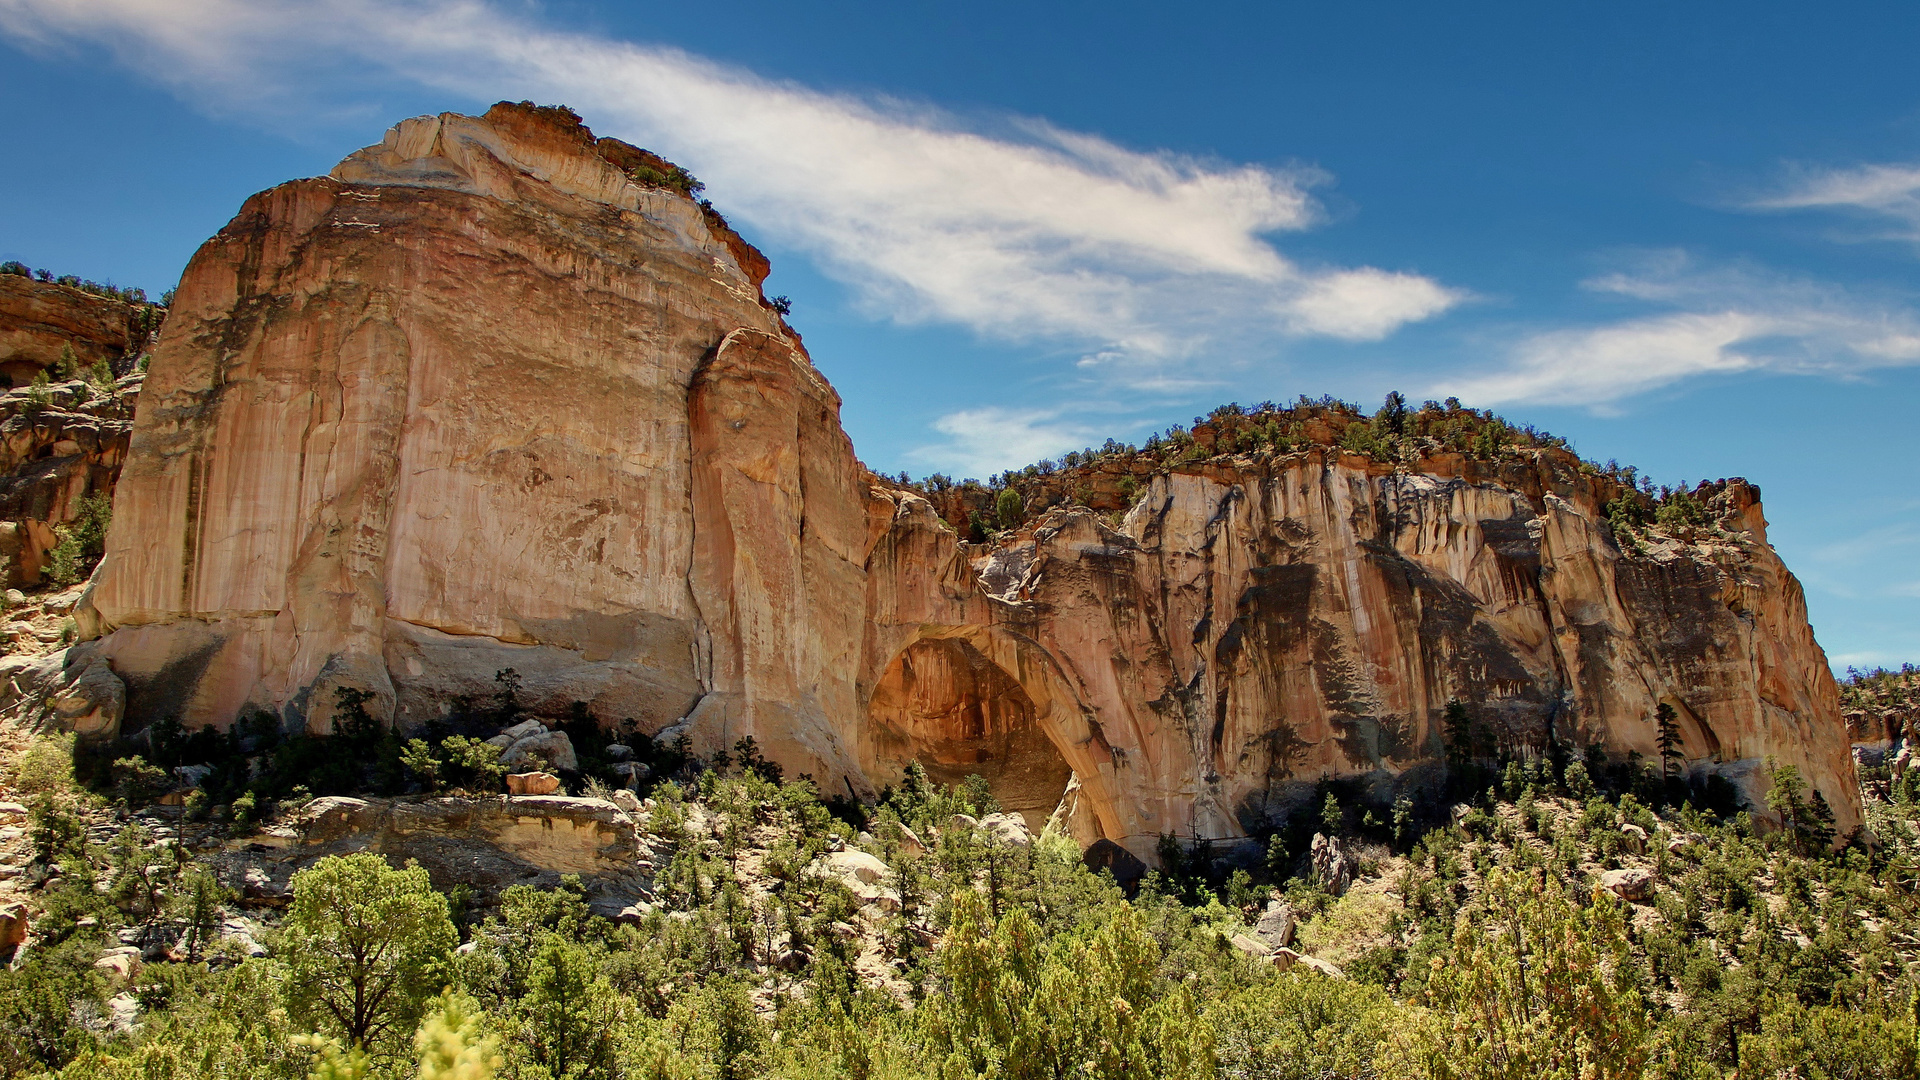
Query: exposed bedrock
pixel 484 398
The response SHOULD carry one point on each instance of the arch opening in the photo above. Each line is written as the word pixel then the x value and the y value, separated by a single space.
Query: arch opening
pixel 943 702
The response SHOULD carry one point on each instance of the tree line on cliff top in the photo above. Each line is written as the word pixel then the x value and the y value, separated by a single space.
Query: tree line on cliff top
pixel 1397 433
pixel 1476 941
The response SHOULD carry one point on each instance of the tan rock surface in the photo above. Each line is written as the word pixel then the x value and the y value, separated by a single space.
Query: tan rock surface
pixel 40 319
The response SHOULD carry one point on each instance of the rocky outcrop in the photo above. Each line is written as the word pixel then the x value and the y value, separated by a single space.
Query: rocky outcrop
pixel 428 418
pixel 58 446
pixel 494 395
pixel 42 320
pixel 484 844
pixel 1257 624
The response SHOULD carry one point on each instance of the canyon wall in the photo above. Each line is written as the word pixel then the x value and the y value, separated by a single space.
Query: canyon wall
pixel 491 395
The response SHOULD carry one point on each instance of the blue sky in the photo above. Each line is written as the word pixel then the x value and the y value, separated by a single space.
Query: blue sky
pixel 1685 236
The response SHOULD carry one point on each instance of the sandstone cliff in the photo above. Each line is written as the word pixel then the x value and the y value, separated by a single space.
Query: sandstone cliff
pixel 493 394
pixel 1258 623
pixel 40 320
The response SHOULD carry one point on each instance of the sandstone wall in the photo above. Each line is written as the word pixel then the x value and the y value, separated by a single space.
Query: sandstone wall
pixel 40 319
pixel 1254 626
pixel 480 399
pixel 421 420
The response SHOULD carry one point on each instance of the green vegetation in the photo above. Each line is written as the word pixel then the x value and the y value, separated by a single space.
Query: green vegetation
pixel 131 296
pixel 80 543
pixel 1396 433
pixel 1477 945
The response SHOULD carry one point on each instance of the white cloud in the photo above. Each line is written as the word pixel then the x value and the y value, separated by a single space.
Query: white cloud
pixel 1882 191
pixel 982 442
pixel 1729 320
pixel 1041 234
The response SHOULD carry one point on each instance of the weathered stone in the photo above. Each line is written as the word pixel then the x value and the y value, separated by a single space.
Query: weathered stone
pixel 1008 829
pixel 1288 959
pixel 1633 838
pixel 1251 946
pixel 1332 866
pixel 119 964
pixel 532 783
pixel 93 704
pixel 552 748
pixel 521 730
pixel 1276 924
pixel 857 866
pixel 1629 884
pixel 192 775
pixel 13 927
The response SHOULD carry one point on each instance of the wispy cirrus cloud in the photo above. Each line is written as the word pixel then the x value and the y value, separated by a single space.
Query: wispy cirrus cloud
pixel 1889 194
pixel 1141 259
pixel 980 442
pixel 1716 321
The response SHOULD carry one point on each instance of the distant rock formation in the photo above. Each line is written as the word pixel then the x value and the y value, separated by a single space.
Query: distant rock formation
pixel 66 441
pixel 41 320
pixel 496 393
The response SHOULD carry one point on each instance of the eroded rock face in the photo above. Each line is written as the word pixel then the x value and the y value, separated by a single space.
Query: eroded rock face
pixel 40 320
pixel 481 400
pixel 1255 626
pixel 424 419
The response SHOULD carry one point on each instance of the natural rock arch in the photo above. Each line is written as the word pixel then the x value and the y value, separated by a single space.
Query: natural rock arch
pixel 978 699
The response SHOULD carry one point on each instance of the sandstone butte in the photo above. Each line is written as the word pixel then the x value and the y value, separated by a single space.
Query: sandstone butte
pixel 484 397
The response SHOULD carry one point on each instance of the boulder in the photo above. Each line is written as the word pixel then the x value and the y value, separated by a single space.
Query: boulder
pixel 619 752
pixel 13 926
pixel 521 730
pixel 1276 924
pixel 626 800
pixel 1633 838
pixel 92 705
pixel 532 783
pixel 1632 884
pixel 551 748
pixel 1288 959
pixel 192 775
pixel 1010 829
pixel 631 774
pixel 1250 945
pixel 332 816
pixel 963 822
pixel 119 964
pixel 853 865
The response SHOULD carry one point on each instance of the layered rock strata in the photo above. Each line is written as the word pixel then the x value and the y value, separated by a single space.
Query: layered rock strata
pixel 488 396
pixel 41 321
